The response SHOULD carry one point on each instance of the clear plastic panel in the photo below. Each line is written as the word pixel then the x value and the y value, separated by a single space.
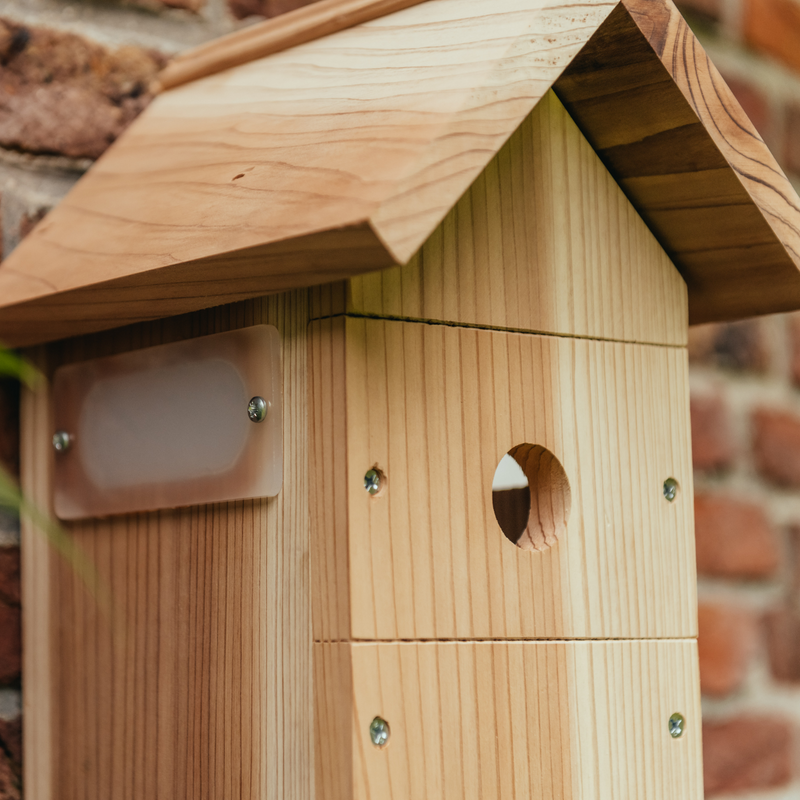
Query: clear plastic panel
pixel 169 426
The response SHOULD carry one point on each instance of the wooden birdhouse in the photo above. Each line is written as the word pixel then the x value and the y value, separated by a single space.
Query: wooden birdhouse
pixel 367 404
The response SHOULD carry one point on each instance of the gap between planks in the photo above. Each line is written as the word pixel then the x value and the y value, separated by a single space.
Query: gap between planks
pixel 500 329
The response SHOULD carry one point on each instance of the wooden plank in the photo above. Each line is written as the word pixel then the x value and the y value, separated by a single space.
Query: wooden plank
pixel 298 26
pixel 678 142
pixel 436 407
pixel 38 664
pixel 364 139
pixel 200 685
pixel 544 240
pixel 567 720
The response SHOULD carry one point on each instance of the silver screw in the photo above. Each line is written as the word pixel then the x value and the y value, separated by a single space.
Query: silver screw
pixel 62 441
pixel 372 481
pixel 257 409
pixel 379 732
pixel 670 489
pixel 676 725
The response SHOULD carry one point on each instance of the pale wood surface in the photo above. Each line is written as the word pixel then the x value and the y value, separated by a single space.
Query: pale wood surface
pixel 582 720
pixel 202 688
pixel 435 407
pixel 38 663
pixel 684 151
pixel 370 133
pixel 298 26
pixel 366 138
pixel 544 240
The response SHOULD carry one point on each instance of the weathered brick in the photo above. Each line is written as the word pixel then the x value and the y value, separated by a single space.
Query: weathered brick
pixel 10 643
pixel 710 9
pixel 773 26
pixel 728 636
pixel 733 345
pixel 791 156
pixel 755 104
pixel 9 781
pixel 783 643
pixel 748 752
pixel 776 446
pixel 734 539
pixel 9 576
pixel 30 221
pixel 62 94
pixel 264 8
pixel 11 740
pixel 712 439
pixel 9 425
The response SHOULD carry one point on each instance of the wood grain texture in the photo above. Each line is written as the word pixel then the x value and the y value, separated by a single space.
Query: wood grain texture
pixel 298 26
pixel 377 130
pixel 435 407
pixel 672 134
pixel 566 720
pixel 544 240
pixel 38 660
pixel 197 683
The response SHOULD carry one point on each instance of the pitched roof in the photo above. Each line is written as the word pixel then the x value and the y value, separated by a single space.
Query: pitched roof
pixel 341 155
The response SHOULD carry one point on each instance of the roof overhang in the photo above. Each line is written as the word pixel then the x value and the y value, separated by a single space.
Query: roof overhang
pixel 342 154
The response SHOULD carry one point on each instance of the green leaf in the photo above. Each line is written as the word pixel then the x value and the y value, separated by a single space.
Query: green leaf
pixel 12 498
pixel 14 366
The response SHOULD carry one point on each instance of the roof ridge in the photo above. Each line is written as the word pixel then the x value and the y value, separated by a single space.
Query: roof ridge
pixel 296 27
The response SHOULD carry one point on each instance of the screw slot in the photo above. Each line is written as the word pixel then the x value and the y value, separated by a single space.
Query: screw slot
pixel 257 409
pixel 671 487
pixel 62 441
pixel 677 724
pixel 379 732
pixel 373 481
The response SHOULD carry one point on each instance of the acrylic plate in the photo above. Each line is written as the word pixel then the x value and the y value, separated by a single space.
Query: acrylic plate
pixel 169 426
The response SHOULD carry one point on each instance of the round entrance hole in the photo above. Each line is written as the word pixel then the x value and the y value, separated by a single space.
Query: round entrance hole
pixel 531 497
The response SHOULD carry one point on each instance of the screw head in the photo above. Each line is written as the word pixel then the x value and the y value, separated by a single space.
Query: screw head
pixel 379 732
pixel 677 724
pixel 257 409
pixel 372 481
pixel 670 489
pixel 62 441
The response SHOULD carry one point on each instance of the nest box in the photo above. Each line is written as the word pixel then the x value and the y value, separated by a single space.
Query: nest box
pixel 366 348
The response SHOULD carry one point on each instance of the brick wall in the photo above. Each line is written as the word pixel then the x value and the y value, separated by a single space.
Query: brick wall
pixel 745 381
pixel 72 75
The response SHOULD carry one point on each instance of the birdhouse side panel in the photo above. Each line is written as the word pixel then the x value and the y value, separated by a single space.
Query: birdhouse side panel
pixel 186 672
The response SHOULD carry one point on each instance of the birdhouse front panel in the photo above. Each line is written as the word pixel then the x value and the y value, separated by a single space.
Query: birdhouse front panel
pixel 540 323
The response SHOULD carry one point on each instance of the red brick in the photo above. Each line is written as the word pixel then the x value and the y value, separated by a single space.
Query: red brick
pixel 9 575
pixel 710 9
pixel 712 440
pixel 776 446
pixel 264 8
pixel 745 753
pixel 734 539
pixel 755 104
pixel 740 346
pixel 773 26
pixel 728 636
pixel 62 94
pixel 791 156
pixel 30 221
pixel 10 644
pixel 9 780
pixel 9 425
pixel 11 740
pixel 783 644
